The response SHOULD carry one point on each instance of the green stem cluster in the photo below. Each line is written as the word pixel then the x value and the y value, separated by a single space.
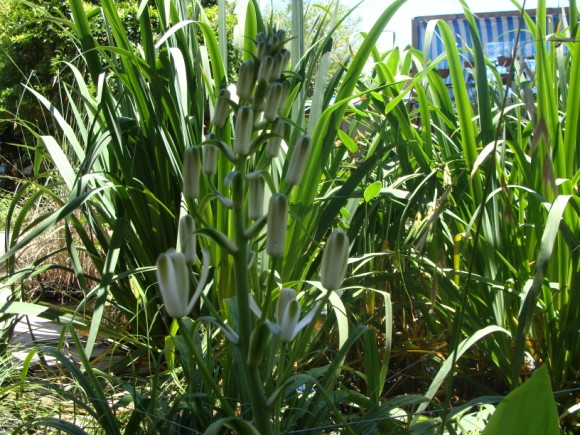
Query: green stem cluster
pixel 202 367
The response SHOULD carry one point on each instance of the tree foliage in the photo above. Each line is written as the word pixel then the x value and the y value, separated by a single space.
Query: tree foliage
pixel 34 43
pixel 30 47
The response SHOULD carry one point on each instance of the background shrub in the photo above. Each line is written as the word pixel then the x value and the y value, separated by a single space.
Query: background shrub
pixel 33 46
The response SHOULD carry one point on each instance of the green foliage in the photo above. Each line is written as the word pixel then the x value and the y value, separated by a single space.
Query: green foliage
pixel 30 44
pixel 463 217
pixel 5 201
pixel 35 41
pixel 479 224
pixel 530 408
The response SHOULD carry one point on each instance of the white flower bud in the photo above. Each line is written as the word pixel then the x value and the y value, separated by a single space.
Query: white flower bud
pixel 334 260
pixel 191 172
pixel 281 61
pixel 246 80
pixel 222 108
pixel 273 144
pixel 260 36
pixel 244 126
pixel 273 41
pixel 186 238
pixel 266 69
pixel 281 36
pixel 285 93
pixel 298 160
pixel 261 49
pixel 272 101
pixel 255 197
pixel 259 96
pixel 276 225
pixel 210 156
pixel 258 345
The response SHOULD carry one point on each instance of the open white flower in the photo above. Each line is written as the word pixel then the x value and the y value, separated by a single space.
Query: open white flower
pixel 173 276
pixel 288 310
pixel 288 315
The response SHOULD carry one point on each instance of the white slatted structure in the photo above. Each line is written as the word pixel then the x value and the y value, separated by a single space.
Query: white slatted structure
pixel 498 33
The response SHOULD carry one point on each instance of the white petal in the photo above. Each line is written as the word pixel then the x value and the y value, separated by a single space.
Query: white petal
pixel 285 296
pixel 254 307
pixel 202 280
pixel 172 281
pixel 307 319
pixel 289 321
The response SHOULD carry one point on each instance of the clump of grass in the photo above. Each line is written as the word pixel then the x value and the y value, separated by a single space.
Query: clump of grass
pixel 51 254
pixel 58 280
pixel 29 404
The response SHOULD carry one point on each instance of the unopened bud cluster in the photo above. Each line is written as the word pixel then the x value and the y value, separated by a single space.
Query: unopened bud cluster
pixel 261 81
pixel 262 92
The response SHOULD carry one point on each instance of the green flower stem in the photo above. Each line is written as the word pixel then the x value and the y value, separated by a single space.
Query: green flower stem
pixel 205 373
pixel 269 288
pixel 193 209
pixel 241 275
pixel 281 380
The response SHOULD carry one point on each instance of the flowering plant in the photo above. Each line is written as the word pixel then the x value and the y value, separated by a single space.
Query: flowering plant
pixel 262 91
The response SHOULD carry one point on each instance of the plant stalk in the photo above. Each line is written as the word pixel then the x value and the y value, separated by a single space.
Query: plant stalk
pixel 241 272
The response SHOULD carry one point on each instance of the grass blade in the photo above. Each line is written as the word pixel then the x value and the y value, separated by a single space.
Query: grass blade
pixel 60 160
pixel 453 357
pixel 106 281
pixel 526 314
